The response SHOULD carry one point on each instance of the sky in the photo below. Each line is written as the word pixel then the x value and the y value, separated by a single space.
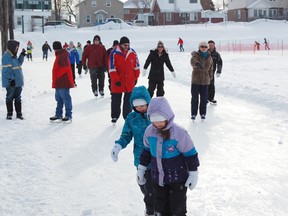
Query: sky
pixel 66 170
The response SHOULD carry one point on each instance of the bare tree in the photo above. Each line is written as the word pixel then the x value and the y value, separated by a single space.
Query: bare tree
pixel 57 9
pixel 4 24
pixel 69 5
pixel 11 19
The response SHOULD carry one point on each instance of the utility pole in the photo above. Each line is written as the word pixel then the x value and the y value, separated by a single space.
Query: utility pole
pixel 4 24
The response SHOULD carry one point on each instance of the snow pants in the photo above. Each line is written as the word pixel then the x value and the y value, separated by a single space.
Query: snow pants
pixel 116 99
pixel 211 90
pixel 170 200
pixel 148 192
pixel 97 77
pixel 62 96
pixel 160 87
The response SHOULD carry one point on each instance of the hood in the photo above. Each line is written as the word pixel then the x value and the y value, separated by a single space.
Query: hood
pixel 140 92
pixel 161 106
pixel 11 46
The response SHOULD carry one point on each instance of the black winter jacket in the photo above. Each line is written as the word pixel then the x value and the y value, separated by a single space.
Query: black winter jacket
pixel 157 62
pixel 217 61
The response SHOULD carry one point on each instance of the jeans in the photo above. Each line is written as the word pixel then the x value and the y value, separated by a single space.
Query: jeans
pixel 62 96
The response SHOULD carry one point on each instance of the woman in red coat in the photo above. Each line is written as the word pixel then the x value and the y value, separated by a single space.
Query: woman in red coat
pixel 124 72
pixel 62 81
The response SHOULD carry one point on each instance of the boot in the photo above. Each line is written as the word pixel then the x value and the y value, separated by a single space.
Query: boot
pixel 18 108
pixel 9 106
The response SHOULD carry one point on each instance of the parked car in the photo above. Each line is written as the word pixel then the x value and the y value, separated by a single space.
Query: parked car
pixel 115 20
pixel 58 22
pixel 139 23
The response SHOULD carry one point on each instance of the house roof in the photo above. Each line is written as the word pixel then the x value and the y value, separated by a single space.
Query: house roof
pixel 81 1
pixel 136 4
pixel 259 4
pixel 238 4
pixel 178 6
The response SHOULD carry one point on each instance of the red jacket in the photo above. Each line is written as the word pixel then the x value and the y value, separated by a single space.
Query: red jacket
pixel 96 55
pixel 180 42
pixel 123 68
pixel 62 73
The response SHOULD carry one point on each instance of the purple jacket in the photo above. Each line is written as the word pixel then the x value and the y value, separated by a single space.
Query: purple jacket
pixel 171 159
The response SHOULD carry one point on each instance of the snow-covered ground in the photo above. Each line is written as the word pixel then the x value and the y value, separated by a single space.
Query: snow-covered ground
pixel 66 170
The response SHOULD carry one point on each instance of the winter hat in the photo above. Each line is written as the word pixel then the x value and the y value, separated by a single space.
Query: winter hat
pixel 115 42
pixel 160 43
pixel 96 37
pixel 89 42
pixel 155 117
pixel 57 45
pixel 203 43
pixel 139 102
pixel 11 46
pixel 124 40
pixel 211 41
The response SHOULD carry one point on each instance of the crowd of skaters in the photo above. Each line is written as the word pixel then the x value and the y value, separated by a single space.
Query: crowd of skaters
pixel 149 120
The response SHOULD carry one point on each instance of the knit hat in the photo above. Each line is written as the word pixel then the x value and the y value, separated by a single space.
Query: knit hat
pixel 139 102
pixel 89 42
pixel 124 40
pixel 160 43
pixel 203 43
pixel 57 45
pixel 11 46
pixel 71 43
pixel 156 117
pixel 211 41
pixel 115 42
pixel 96 37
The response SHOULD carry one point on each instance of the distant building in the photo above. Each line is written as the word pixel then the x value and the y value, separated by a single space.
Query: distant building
pixel 137 10
pixel 245 11
pixel 30 14
pixel 93 12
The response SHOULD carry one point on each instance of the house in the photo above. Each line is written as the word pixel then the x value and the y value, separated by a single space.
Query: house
pixel 245 11
pixel 136 10
pixel 94 12
pixel 29 15
pixel 173 12
pixel 213 16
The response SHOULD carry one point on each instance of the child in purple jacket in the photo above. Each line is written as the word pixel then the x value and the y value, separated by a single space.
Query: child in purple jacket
pixel 173 157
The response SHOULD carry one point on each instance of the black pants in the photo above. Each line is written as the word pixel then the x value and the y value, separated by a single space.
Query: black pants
pixel 116 99
pixel 170 200
pixel 97 77
pixel 160 88
pixel 148 192
pixel 29 56
pixel 73 71
pixel 197 90
pixel 211 90
pixel 80 67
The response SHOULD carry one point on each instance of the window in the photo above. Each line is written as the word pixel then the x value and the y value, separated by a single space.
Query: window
pixel 46 2
pixel 33 2
pixel 108 3
pixel 168 16
pixel 93 4
pixel 255 13
pixel 88 19
pixel 238 14
pixel 193 16
pixel 19 20
pixel 171 1
pixel 19 2
pixel 193 1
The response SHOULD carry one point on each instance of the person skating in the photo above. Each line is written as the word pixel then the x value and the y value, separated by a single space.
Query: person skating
pixel 12 78
pixel 157 58
pixel 85 63
pixel 217 68
pixel 97 63
pixel 134 128
pixel 180 43
pixel 124 72
pixel 202 64
pixel 80 52
pixel 45 48
pixel 62 81
pixel 114 45
pixel 29 50
pixel 73 58
pixel 173 157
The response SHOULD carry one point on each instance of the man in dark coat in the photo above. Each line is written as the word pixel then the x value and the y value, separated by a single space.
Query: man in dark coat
pixel 45 49
pixel 217 67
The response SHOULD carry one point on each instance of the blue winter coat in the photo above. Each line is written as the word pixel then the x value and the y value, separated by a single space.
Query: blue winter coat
pixel 11 69
pixel 171 159
pixel 73 56
pixel 135 125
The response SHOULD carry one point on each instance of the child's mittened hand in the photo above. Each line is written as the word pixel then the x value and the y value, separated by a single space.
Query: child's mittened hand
pixel 115 151
pixel 192 180
pixel 140 174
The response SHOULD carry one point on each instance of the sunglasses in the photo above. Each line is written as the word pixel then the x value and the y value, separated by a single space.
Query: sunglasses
pixel 126 45
pixel 203 47
pixel 160 46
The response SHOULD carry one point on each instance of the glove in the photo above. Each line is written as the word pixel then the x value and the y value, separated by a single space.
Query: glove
pixel 77 65
pixel 218 74
pixel 23 52
pixel 140 174
pixel 174 74
pixel 144 71
pixel 118 83
pixel 192 180
pixel 198 64
pixel 12 83
pixel 115 151
pixel 85 67
pixel 136 82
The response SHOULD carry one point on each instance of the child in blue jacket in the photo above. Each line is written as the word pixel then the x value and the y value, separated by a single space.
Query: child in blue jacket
pixel 173 157
pixel 134 127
